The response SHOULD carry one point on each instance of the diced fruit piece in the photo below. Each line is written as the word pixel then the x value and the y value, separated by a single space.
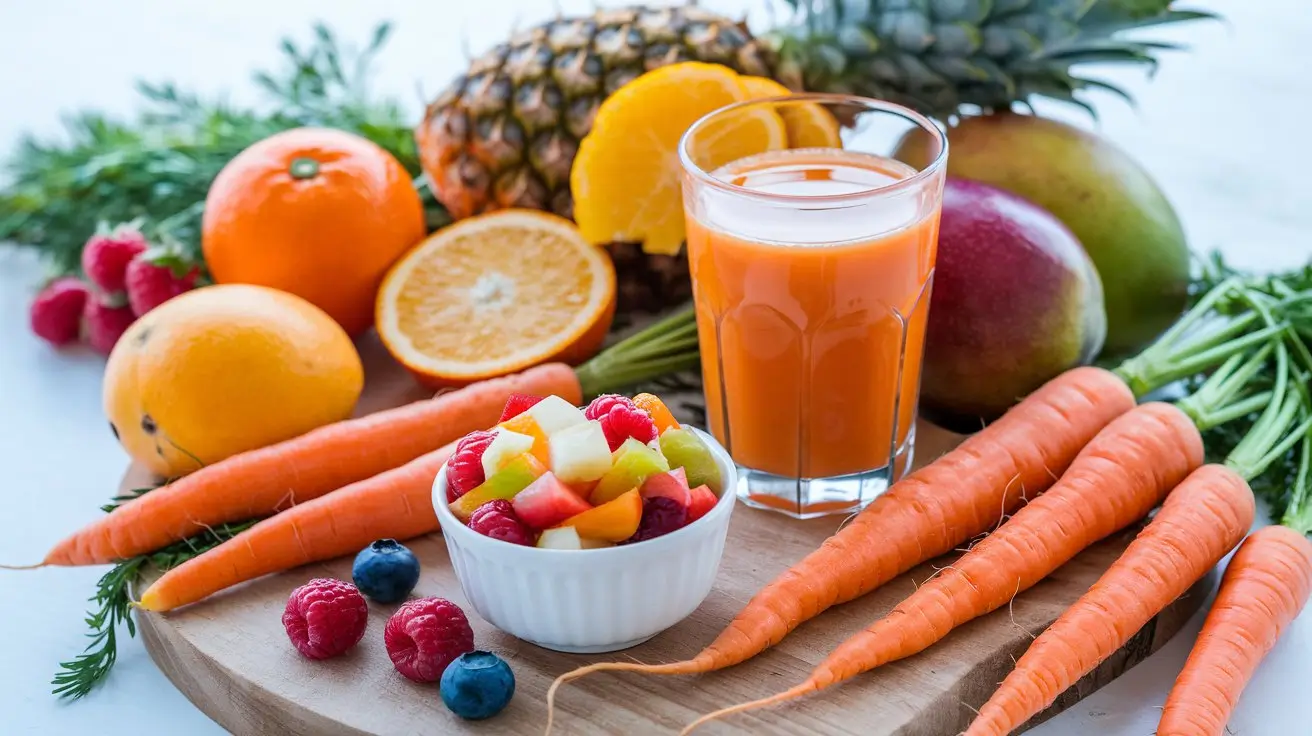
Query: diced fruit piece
pixel 506 446
pixel 629 472
pixel 703 500
pixel 517 475
pixel 518 404
pixel 497 519
pixel 686 450
pixel 526 425
pixel 594 543
pixel 583 489
pixel 629 444
pixel 579 453
pixel 554 414
pixel 547 502
pixel 657 410
pixel 614 521
pixel 464 471
pixel 672 485
pixel 563 538
pixel 660 516
pixel 621 420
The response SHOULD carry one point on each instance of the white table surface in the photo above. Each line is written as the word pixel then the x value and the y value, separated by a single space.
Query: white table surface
pixel 1223 128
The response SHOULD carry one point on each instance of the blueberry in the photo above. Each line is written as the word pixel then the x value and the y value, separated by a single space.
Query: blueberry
pixel 385 571
pixel 477 685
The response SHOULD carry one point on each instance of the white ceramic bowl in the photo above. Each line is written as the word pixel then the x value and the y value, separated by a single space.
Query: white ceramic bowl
pixel 592 600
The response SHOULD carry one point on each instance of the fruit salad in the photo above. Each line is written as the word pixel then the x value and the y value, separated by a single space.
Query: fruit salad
pixel 618 471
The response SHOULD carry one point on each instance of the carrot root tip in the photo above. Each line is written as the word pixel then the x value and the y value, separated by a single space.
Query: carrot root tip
pixel 37 566
pixel 803 689
pixel 574 674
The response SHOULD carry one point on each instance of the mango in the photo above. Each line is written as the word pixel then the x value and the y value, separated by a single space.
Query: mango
pixel 1108 201
pixel 1015 302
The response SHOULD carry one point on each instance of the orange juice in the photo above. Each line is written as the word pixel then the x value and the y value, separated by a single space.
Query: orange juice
pixel 812 282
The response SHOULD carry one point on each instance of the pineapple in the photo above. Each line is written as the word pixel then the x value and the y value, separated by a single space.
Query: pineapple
pixel 504 134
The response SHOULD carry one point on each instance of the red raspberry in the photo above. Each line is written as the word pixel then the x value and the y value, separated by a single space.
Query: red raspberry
pixel 464 471
pixel 150 283
pixel 325 617
pixel 56 314
pixel 106 255
pixel 106 324
pixel 518 404
pixel 426 635
pixel 660 516
pixel 498 520
pixel 621 419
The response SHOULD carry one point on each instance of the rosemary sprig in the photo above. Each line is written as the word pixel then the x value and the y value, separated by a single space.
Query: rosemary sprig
pixel 113 607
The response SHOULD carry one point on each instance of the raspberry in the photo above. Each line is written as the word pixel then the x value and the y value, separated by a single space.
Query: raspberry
pixel 498 520
pixel 56 314
pixel 660 516
pixel 518 404
pixel 106 255
pixel 621 419
pixel 106 324
pixel 150 284
pixel 325 617
pixel 426 635
pixel 464 471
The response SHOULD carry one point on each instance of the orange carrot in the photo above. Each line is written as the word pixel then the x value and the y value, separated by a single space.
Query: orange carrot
pixel 263 481
pixel 963 494
pixel 396 504
pixel 1121 475
pixel 1264 588
pixel 1201 521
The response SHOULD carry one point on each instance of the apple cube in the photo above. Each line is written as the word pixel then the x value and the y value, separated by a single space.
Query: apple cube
pixel 614 521
pixel 547 502
pixel 517 475
pixel 629 471
pixel 703 500
pixel 686 450
pixel 505 446
pixel 672 484
pixel 566 537
pixel 580 453
pixel 554 414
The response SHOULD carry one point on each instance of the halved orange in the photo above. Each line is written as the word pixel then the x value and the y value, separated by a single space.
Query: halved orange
pixel 626 176
pixel 809 124
pixel 495 294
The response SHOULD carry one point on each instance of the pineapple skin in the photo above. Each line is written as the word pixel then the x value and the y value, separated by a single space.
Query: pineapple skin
pixel 504 134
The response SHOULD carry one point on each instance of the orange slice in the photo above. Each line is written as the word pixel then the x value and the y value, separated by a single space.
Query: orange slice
pixel 626 179
pixel 495 294
pixel 809 125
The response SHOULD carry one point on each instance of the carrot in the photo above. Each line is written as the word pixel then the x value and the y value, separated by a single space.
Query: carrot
pixel 1121 475
pixel 261 482
pixel 963 494
pixel 1264 588
pixel 1201 521
pixel 396 504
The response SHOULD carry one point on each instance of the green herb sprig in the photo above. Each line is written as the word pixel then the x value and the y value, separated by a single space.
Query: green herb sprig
pixel 158 166
pixel 113 608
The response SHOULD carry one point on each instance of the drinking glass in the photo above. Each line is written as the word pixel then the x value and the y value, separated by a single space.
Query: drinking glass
pixel 812 252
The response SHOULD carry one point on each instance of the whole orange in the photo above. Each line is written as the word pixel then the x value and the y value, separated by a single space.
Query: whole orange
pixel 319 213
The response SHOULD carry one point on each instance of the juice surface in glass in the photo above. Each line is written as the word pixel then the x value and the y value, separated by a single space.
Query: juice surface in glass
pixel 812 315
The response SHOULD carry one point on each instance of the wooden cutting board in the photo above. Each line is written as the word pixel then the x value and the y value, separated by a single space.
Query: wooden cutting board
pixel 231 657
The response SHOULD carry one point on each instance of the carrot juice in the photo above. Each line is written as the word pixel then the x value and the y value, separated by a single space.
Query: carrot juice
pixel 812 271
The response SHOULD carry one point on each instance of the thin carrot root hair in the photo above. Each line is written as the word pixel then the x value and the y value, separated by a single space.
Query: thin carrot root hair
pixel 37 566
pixel 805 688
pixel 675 668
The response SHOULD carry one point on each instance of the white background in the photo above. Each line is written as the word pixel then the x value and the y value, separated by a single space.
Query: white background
pixel 1223 129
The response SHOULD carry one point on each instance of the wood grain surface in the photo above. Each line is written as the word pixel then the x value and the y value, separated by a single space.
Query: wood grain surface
pixel 231 657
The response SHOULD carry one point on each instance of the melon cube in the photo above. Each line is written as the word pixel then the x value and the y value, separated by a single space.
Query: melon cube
pixel 703 500
pixel 554 414
pixel 547 502
pixel 580 453
pixel 505 446
pixel 672 485
pixel 629 472
pixel 566 537
pixel 686 450
pixel 628 444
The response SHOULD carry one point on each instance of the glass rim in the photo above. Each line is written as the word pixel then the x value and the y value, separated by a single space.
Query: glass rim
pixel 910 115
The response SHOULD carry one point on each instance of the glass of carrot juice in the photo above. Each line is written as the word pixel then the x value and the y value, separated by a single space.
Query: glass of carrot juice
pixel 812 265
